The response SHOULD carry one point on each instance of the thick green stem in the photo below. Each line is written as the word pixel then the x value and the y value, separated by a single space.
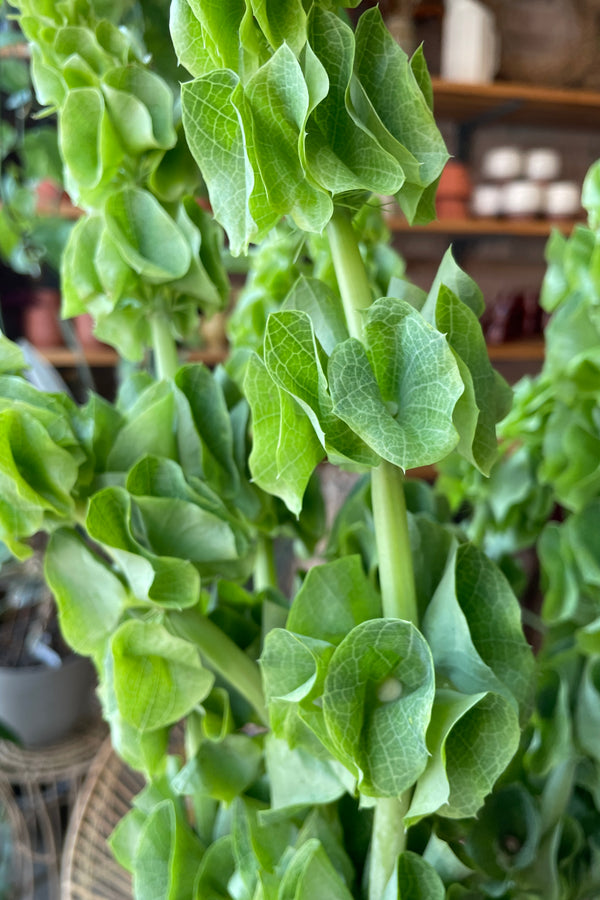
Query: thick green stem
pixel 350 271
pixel 222 655
pixel 393 545
pixel 396 575
pixel 265 571
pixel 389 840
pixel 389 507
pixel 165 349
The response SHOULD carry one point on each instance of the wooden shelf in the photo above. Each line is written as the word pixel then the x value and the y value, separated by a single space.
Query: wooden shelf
pixel 63 358
pixel 18 50
pixel 64 210
pixel 517 103
pixel 105 357
pixel 517 351
pixel 471 226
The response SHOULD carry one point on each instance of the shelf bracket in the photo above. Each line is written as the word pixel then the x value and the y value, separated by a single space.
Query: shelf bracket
pixel 489 116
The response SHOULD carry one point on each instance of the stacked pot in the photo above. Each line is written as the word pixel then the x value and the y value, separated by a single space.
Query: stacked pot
pixel 524 184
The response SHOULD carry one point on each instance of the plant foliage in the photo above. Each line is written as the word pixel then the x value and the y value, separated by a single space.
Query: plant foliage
pixel 392 687
pixel 543 500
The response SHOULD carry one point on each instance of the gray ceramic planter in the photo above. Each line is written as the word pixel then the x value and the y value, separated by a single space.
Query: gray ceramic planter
pixel 40 704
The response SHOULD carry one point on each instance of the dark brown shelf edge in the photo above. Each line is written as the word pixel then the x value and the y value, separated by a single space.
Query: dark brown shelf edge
pixel 486 227
pixel 64 210
pixel 18 50
pixel 62 357
pixel 506 89
pixel 518 351
pixel 537 104
pixel 212 356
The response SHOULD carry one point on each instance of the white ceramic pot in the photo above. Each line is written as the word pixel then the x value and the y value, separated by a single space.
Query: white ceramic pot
pixel 542 164
pixel 41 704
pixel 502 164
pixel 470 50
pixel 486 200
pixel 522 199
pixel 563 199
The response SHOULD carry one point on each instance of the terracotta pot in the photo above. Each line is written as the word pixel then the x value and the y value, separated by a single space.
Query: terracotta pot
pixel 84 329
pixel 449 208
pixel 49 195
pixel 452 198
pixel 41 319
pixel 455 181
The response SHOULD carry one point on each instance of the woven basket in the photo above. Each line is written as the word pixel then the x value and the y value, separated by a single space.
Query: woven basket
pixel 548 42
pixel 39 788
pixel 89 870
pixel 20 873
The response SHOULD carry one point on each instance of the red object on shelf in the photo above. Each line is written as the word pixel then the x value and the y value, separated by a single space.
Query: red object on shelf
pixel 41 322
pixel 49 196
pixel 84 328
pixel 454 190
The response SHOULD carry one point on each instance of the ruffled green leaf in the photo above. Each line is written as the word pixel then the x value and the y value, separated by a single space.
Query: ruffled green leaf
pixel 150 429
pixel 90 597
pixel 141 108
pixel 80 277
pixel 559 574
pixel 587 715
pixel 56 412
pixel 168 855
pixel 12 361
pixel 279 25
pixel 341 154
pixel 473 626
pixel 212 422
pixel 221 24
pixel 142 750
pixel 285 448
pixel 80 40
pixel 311 876
pixel 381 392
pixel 222 770
pixel 161 578
pixel 203 531
pixel 417 879
pixel 187 35
pixel 293 666
pixel 259 845
pixel 377 703
pixel 403 110
pixel 471 739
pixel 180 529
pixel 36 480
pixel 508 833
pixel 206 280
pixel 298 778
pixel 278 103
pixel 486 399
pixel 158 678
pixel 88 141
pixel 216 869
pixel 313 297
pixel 293 360
pixel 571 447
pixel 115 275
pixel 216 137
pixel 332 600
pixel 147 237
pixel 552 740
